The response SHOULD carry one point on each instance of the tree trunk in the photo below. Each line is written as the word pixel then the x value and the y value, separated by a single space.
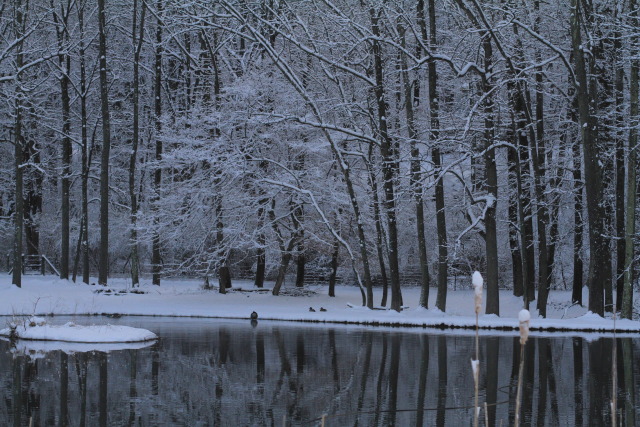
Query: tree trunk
pixel 631 184
pixel 542 221
pixel 301 258
pixel 434 108
pixel 156 261
pixel 224 273
pixel 578 229
pixel 284 264
pixel 64 61
pixel 334 268
pixel 32 187
pixel 491 237
pixel 619 162
pixel 260 252
pixel 18 148
pixel 380 240
pixel 133 159
pixel 103 272
pixel 298 213
pixel 538 156
pixel 599 277
pixel 388 166
pixel 514 240
pixel 416 166
pixel 86 155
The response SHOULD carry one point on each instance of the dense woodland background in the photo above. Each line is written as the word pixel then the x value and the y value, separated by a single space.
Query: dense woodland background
pixel 371 142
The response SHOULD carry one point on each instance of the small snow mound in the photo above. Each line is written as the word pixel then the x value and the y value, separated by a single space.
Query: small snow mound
pixel 590 315
pixel 70 332
pixel 524 315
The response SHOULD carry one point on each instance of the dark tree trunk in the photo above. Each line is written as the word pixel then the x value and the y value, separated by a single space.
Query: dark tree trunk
pixel 156 260
pixel 260 263
pixel 434 108
pixel 64 61
pixel 631 190
pixel 599 277
pixel 578 266
pixel 334 268
pixel 380 240
pixel 416 166
pixel 538 156
pixel 542 216
pixel 133 159
pixel 18 214
pixel 491 236
pixel 301 259
pixel 260 252
pixel 224 273
pixel 103 272
pixel 33 189
pixel 86 155
pixel 618 66
pixel 282 269
pixel 388 165
pixel 514 239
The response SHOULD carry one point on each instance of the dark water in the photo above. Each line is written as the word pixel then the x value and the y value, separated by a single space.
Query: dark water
pixel 222 373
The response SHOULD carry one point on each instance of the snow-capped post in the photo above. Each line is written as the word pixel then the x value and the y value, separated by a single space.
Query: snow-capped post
pixel 476 281
pixel 524 317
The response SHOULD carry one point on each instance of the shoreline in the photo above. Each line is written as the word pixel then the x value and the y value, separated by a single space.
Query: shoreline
pixel 184 298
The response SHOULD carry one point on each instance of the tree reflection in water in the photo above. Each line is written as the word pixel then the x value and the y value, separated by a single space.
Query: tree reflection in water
pixel 229 373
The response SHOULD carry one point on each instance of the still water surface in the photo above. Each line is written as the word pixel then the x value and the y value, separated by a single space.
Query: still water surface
pixel 229 373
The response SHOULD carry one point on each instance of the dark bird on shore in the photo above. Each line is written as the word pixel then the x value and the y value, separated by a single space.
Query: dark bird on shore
pixel 254 315
pixel 311 309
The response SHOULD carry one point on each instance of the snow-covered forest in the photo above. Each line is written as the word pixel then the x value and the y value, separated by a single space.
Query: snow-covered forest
pixel 367 142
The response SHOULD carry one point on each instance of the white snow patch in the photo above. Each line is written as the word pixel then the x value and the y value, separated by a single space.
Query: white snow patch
pixel 36 328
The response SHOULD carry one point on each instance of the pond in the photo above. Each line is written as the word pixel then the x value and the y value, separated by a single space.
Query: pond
pixel 206 372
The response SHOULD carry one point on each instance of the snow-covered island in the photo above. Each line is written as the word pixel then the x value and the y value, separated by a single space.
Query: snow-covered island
pixel 48 295
pixel 37 328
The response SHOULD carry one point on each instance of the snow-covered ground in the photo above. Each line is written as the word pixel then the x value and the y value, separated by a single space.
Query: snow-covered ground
pixel 46 295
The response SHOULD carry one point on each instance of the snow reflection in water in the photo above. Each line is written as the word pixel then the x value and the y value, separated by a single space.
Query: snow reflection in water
pixel 211 372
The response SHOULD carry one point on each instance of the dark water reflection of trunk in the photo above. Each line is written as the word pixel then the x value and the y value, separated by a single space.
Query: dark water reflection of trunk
pixel 441 414
pixel 64 387
pixel 104 387
pixel 492 380
pixel 206 372
pixel 422 381
pixel 577 378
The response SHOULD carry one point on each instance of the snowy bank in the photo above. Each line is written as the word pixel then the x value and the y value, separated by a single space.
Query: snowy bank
pixel 36 328
pixel 186 298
